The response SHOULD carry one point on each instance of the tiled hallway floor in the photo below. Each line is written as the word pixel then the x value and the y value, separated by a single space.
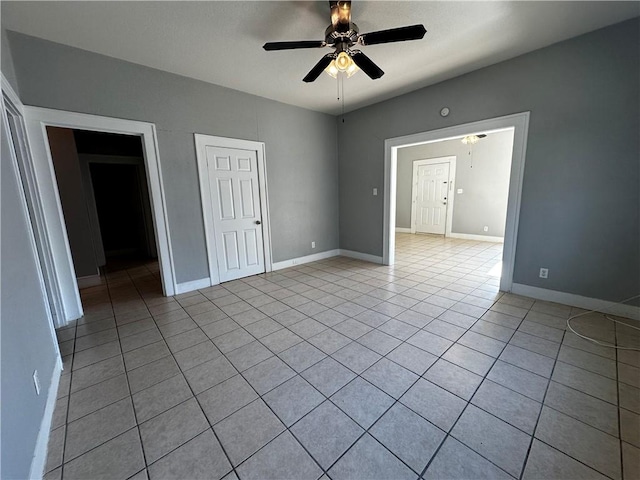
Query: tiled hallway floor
pixel 345 369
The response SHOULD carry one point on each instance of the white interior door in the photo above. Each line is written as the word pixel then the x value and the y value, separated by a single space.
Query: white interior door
pixel 235 205
pixel 431 197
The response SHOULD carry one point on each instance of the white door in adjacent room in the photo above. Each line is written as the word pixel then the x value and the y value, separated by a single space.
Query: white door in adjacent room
pixel 235 205
pixel 431 187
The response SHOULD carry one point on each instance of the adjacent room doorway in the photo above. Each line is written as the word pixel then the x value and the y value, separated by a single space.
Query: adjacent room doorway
pixel 520 124
pixel 54 235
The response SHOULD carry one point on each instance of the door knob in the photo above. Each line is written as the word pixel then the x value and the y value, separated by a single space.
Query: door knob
pixel 258 222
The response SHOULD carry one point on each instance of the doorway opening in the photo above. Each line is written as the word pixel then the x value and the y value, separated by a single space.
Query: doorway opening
pixel 480 201
pixel 105 200
pixel 53 235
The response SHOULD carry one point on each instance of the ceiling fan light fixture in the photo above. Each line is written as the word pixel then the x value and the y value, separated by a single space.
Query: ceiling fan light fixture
pixel 343 35
pixel 342 63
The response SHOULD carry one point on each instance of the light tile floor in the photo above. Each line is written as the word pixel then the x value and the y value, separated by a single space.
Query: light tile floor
pixel 344 369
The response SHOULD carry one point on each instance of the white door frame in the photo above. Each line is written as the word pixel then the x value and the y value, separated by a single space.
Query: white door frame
pixel 11 102
pixel 204 141
pixel 520 123
pixel 54 228
pixel 19 152
pixel 451 160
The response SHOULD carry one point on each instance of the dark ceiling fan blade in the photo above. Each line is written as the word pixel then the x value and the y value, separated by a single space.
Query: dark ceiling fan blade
pixel 413 32
pixel 319 68
pixel 366 65
pixel 340 15
pixel 270 46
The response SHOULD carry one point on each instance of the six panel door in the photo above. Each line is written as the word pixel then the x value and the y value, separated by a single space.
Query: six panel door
pixel 431 198
pixel 235 202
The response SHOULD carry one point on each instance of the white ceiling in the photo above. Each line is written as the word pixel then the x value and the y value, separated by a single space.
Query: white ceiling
pixel 221 42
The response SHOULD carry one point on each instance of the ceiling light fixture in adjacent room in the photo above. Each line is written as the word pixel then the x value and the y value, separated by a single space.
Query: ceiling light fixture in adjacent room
pixel 472 139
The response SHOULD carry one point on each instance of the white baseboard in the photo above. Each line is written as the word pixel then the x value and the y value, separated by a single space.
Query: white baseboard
pixel 42 442
pixel 361 256
pixel 603 306
pixel 480 238
pixel 403 230
pixel 306 259
pixel 89 281
pixel 192 285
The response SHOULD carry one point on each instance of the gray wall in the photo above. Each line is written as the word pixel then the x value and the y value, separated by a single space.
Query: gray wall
pixel 72 197
pixel 27 343
pixel 6 61
pixel 580 199
pixel 301 153
pixel 483 177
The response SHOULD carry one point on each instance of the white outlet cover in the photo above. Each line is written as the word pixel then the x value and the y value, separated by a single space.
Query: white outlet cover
pixel 375 191
pixel 486 229
pixel 460 191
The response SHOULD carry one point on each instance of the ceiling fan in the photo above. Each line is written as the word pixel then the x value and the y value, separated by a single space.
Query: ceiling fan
pixel 343 35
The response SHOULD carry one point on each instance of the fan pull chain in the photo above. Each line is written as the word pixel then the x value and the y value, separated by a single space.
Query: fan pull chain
pixel 342 84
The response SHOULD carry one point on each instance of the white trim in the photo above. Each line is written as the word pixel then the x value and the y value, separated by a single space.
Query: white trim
pixel 89 281
pixel 39 459
pixel 361 256
pixel 8 90
pixel 520 123
pixel 403 230
pixel 34 208
pixel 42 442
pixel 53 229
pixel 202 142
pixel 451 160
pixel 472 236
pixel 185 287
pixel 38 119
pixel 306 259
pixel 25 210
pixel 603 306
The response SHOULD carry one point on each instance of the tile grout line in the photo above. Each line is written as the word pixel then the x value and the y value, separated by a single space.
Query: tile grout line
pixel 535 428
pixel 615 333
pixel 448 433
pixel 133 408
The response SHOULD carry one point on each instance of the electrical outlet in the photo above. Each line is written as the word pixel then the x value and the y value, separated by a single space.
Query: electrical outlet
pixel 544 273
pixel 294 262
pixel 460 191
pixel 36 382
pixel 313 244
pixel 375 192
pixel 486 228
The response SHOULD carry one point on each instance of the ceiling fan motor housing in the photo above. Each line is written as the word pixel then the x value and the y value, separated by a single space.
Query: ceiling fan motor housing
pixel 341 41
